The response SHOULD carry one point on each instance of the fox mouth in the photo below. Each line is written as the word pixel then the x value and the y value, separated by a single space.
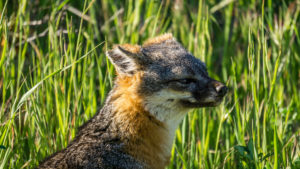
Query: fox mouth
pixel 208 98
pixel 197 104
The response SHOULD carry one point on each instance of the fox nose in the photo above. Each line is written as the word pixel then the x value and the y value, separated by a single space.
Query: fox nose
pixel 220 88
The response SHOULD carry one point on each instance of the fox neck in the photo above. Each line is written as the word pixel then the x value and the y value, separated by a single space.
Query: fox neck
pixel 166 110
pixel 148 137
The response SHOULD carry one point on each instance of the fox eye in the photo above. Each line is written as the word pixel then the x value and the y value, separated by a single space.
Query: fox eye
pixel 186 81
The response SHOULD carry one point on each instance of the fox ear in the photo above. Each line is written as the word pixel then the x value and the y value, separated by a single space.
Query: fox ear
pixel 126 58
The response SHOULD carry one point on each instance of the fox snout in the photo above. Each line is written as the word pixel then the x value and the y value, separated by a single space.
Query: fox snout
pixel 208 95
pixel 219 88
pixel 214 94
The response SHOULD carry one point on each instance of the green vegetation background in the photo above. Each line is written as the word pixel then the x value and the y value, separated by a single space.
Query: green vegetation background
pixel 53 79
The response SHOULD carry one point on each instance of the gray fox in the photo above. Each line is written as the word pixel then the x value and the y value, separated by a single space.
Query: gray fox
pixel 156 85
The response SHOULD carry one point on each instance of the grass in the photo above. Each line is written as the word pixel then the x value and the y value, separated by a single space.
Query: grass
pixel 54 75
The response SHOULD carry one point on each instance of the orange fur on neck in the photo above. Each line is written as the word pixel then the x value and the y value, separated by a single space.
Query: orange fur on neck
pixel 142 133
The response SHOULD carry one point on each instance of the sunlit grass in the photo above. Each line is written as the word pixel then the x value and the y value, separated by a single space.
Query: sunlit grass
pixel 54 76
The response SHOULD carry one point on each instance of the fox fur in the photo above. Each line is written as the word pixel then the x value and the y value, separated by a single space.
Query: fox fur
pixel 156 85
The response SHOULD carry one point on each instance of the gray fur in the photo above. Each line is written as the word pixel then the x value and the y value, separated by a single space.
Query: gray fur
pixel 96 146
pixel 170 61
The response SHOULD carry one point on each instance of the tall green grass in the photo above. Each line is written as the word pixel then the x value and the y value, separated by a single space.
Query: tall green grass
pixel 54 75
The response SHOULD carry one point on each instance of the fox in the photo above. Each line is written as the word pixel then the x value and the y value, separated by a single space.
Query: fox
pixel 156 85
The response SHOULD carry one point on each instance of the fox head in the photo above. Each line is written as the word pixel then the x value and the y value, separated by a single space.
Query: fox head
pixel 173 81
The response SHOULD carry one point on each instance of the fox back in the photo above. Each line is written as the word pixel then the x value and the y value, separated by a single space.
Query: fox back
pixel 156 85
